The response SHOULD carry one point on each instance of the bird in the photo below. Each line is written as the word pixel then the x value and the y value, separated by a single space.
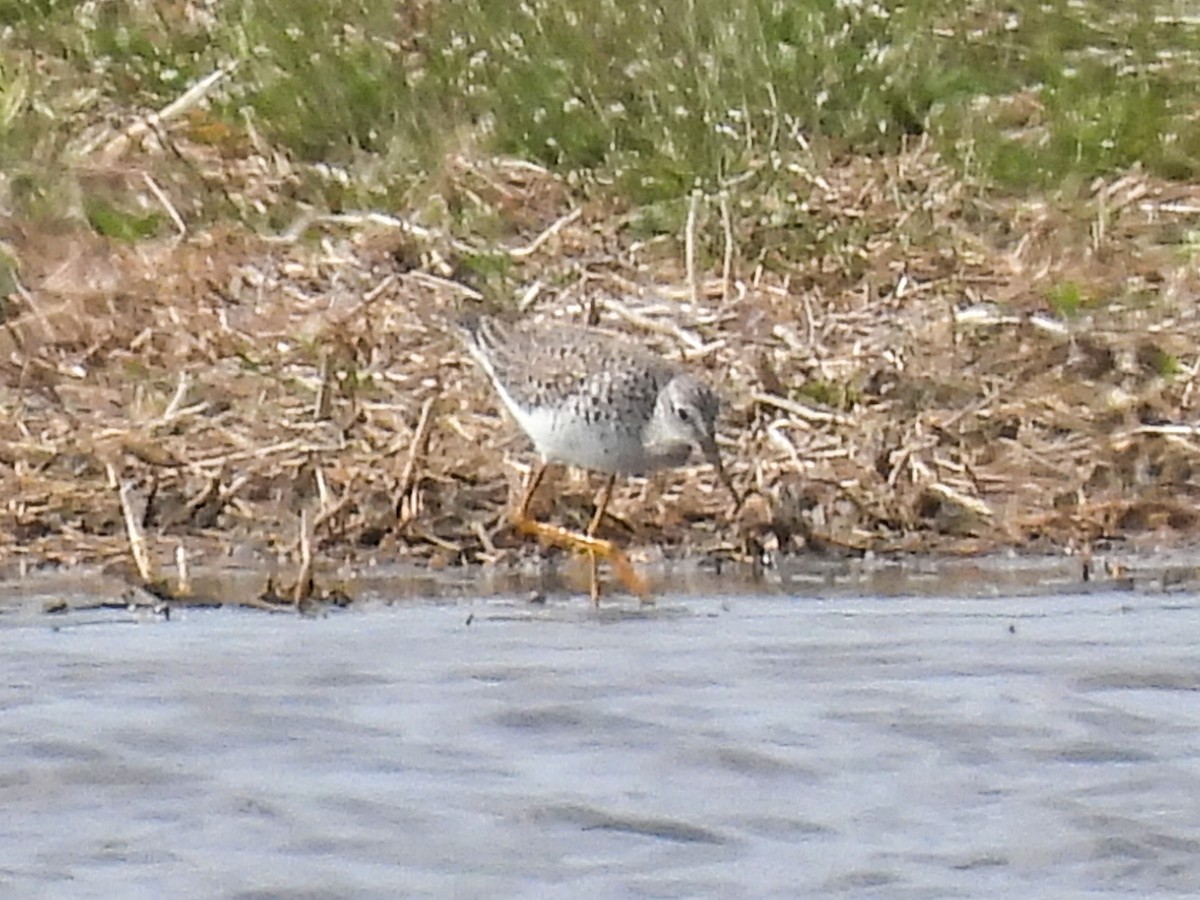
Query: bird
pixel 592 399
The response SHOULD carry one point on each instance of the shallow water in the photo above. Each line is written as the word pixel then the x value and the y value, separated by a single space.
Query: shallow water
pixel 769 746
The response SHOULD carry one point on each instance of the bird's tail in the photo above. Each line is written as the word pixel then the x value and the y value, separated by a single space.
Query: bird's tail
pixel 481 335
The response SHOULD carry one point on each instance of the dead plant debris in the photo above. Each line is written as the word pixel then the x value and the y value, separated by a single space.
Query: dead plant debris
pixel 1014 379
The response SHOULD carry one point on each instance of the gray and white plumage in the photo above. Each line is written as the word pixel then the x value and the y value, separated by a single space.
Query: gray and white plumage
pixel 592 399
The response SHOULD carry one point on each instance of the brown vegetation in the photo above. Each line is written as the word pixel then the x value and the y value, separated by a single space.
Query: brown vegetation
pixel 952 373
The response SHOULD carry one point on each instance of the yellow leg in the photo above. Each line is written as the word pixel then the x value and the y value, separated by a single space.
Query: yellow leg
pixel 601 506
pixel 531 486
pixel 593 546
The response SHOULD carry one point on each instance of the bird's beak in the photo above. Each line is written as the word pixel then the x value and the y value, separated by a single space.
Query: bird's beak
pixel 709 447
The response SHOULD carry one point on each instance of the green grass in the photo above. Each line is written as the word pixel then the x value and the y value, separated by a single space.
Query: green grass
pixel 1114 85
pixel 648 101
pixel 1067 299
pixel 660 98
pixel 121 224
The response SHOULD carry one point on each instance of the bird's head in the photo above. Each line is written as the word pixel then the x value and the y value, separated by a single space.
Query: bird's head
pixel 686 414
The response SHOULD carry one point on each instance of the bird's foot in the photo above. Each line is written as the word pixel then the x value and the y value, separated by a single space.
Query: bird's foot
pixel 594 547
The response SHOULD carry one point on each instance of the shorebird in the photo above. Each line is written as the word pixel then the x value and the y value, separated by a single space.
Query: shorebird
pixel 591 399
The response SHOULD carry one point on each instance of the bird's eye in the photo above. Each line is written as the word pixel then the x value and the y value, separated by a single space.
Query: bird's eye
pixel 682 412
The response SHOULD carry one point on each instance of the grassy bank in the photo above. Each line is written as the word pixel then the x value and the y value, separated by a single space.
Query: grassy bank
pixel 939 258
pixel 644 102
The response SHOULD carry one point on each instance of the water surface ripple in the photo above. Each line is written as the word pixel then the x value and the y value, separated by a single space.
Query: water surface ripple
pixel 735 747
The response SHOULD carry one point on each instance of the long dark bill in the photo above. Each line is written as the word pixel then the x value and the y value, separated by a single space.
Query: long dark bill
pixel 713 455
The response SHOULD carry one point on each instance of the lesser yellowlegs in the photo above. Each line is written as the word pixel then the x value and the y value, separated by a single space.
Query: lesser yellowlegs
pixel 591 399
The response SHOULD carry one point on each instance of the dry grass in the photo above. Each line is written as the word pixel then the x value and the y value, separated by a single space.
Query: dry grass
pixel 953 372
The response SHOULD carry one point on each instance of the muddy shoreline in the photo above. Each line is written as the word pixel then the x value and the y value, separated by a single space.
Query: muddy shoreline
pixel 114 594
pixel 230 399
